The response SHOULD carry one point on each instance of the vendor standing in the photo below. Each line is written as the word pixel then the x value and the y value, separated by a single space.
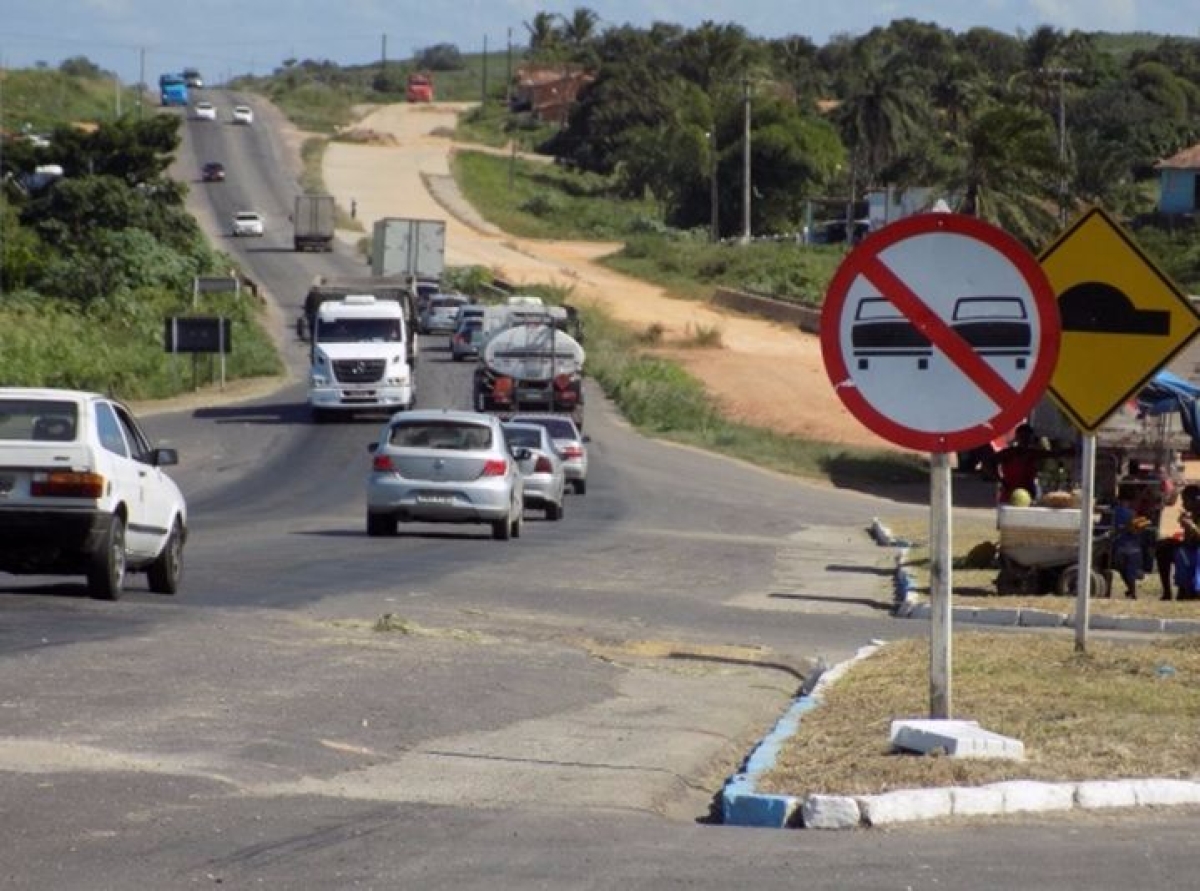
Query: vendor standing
pixel 1018 464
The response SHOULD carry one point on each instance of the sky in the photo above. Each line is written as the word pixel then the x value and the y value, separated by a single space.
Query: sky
pixel 224 38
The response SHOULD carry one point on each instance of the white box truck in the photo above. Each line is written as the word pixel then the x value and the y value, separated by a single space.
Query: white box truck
pixel 409 247
pixel 360 359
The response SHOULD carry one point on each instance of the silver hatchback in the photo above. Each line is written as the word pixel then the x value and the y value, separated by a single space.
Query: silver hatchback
pixel 570 443
pixel 442 466
pixel 545 480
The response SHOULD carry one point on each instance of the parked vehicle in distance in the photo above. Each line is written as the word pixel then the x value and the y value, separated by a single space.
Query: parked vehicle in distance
pixel 545 479
pixel 570 443
pixel 204 111
pixel 83 491
pixel 441 313
pixel 465 341
pixel 243 114
pixel 247 222
pixel 445 466
pixel 213 172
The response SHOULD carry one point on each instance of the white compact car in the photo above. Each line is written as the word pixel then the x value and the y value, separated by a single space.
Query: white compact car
pixel 82 491
pixel 204 111
pixel 243 114
pixel 247 222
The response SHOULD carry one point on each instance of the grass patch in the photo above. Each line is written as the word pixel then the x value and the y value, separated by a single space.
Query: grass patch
pixel 44 99
pixel 702 336
pixel 1114 712
pixel 537 200
pixel 116 346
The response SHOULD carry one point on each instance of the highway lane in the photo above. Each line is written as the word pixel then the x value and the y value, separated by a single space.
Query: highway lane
pixel 516 725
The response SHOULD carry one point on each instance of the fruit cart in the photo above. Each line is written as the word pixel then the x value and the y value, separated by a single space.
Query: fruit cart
pixel 1039 551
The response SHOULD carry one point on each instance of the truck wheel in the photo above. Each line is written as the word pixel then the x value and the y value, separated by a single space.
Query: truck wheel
pixel 166 571
pixel 580 487
pixel 554 511
pixel 320 416
pixel 106 566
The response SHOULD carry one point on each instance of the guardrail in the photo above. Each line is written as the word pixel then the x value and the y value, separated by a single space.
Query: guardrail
pixel 806 318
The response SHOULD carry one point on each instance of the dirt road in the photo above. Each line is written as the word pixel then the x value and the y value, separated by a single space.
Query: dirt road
pixel 763 373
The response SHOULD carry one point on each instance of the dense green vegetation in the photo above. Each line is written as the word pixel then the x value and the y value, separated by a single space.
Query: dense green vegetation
pixel 92 264
pixel 38 100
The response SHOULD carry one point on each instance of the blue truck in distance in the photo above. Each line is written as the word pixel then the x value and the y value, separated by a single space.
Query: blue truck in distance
pixel 172 89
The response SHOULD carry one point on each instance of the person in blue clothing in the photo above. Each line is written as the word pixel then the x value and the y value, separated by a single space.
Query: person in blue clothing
pixel 1186 559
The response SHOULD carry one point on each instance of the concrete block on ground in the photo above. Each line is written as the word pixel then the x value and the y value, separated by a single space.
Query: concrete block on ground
pixel 1181 626
pixel 970 801
pixel 996 616
pixel 830 812
pixel 1166 792
pixel 1025 796
pixel 958 739
pixel 1041 618
pixel 1126 623
pixel 905 806
pixel 741 806
pixel 1092 794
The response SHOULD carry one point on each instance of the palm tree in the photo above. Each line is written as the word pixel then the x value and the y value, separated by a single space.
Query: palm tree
pixel 580 27
pixel 883 114
pixel 1010 171
pixel 543 34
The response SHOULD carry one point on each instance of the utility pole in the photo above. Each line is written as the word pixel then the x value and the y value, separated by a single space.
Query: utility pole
pixel 713 198
pixel 1062 73
pixel 483 91
pixel 746 186
pixel 141 80
pixel 508 73
pixel 383 55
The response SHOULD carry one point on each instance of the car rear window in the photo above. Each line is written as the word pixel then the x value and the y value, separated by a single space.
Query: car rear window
pixel 527 437
pixel 440 435
pixel 38 420
pixel 559 428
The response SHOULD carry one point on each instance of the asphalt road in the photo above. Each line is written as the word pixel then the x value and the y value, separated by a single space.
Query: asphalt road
pixel 318 709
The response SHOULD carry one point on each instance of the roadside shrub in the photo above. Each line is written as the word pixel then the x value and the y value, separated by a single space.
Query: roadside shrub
pixel 653 334
pixel 702 336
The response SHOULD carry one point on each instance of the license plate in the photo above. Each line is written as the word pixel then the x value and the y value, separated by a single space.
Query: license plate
pixel 435 499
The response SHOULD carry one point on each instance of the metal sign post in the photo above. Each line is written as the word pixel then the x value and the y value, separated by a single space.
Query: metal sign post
pixel 1086 523
pixel 941 587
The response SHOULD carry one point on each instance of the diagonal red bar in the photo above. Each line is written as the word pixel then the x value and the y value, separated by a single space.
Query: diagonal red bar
pixel 940 334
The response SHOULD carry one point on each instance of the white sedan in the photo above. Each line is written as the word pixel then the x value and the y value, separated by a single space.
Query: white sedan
pixel 247 222
pixel 204 111
pixel 243 114
pixel 83 491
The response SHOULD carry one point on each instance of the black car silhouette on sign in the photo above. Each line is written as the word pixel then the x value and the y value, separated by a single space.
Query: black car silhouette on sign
pixel 994 326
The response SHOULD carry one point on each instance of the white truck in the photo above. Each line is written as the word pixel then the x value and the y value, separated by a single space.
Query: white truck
pixel 409 247
pixel 360 358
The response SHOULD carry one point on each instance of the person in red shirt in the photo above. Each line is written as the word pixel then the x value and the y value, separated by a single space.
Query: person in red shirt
pixel 1017 464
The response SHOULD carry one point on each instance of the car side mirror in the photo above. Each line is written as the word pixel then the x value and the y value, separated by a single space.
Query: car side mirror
pixel 164 457
pixel 372 447
pixel 521 453
pixel 587 439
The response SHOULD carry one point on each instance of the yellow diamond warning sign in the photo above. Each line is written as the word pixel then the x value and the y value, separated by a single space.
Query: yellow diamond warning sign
pixel 1122 318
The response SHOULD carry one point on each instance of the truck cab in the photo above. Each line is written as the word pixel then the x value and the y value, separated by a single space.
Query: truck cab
pixel 173 90
pixel 360 358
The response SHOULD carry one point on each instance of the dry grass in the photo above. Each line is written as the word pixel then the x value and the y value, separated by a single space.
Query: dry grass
pixel 1116 712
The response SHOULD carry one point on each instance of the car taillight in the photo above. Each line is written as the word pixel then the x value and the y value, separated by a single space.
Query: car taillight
pixel 383 464
pixel 562 381
pixel 502 385
pixel 571 451
pixel 494 467
pixel 67 484
pixel 543 465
